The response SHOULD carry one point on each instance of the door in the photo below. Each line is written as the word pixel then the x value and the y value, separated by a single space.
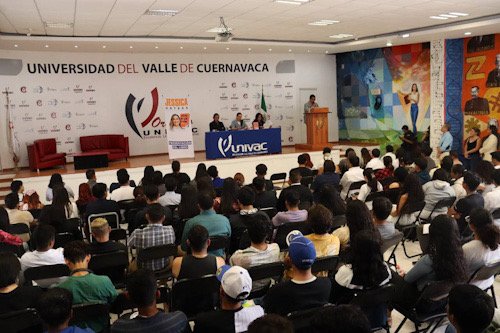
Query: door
pixel 304 94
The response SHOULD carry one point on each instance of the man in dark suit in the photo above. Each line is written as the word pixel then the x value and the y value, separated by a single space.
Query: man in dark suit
pixel 295 185
pixel 476 105
pixel 101 205
pixel 494 76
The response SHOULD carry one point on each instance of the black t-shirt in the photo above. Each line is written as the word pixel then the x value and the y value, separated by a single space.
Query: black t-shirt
pixel 224 321
pixel 265 199
pixel 305 195
pixel 465 205
pixel 409 136
pixel 289 296
pixel 304 172
pixel 22 297
pixel 107 247
pixel 217 126
pixel 269 184
pixel 239 223
pixel 181 177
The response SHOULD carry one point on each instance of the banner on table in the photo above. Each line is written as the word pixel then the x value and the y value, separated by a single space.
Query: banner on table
pixel 179 131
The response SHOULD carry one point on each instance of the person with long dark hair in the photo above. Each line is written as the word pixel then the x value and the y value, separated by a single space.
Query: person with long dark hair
pixel 471 149
pixel 365 157
pixel 59 211
pixel 148 177
pixel 259 120
pixel 329 176
pixel 490 144
pixel 358 218
pixel 372 185
pixel 329 197
pixel 485 171
pixel 411 194
pixel 229 198
pixel 437 189
pixel 57 181
pixel 483 249
pixel 201 171
pixel 444 261
pixel 188 207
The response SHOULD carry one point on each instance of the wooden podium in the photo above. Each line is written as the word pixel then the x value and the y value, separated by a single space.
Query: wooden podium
pixel 317 129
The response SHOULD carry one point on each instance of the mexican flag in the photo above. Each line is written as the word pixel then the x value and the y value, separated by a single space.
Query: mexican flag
pixel 263 105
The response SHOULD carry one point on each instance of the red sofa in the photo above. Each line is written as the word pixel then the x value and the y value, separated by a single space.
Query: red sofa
pixel 43 154
pixel 115 144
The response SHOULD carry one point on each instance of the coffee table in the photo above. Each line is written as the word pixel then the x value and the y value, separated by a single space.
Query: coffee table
pixel 90 160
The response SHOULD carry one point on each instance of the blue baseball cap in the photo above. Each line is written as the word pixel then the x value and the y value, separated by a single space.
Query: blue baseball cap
pixel 301 250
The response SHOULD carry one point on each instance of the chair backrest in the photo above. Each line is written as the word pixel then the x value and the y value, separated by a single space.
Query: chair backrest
pixel 118 234
pixel 354 187
pixel 278 176
pixel 267 271
pixel 219 242
pixel 496 214
pixel 443 203
pixel 374 195
pixel 284 229
pixel 112 264
pixel 45 272
pixel 19 229
pixel 45 146
pixel 62 238
pixel 487 271
pixel 82 313
pixel 301 319
pixel 434 293
pixel 156 252
pixel 327 263
pixel 16 249
pixel 193 296
pixel 411 208
pixel 111 217
pixel 307 181
pixel 126 204
pixel 338 221
pixel 22 321
pixel 373 297
pixel 270 211
pixel 423 239
pixel 393 241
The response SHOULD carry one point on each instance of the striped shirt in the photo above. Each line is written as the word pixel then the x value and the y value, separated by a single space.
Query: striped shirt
pixel 152 235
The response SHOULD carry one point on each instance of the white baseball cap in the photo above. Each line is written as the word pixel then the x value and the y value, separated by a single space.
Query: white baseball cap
pixel 235 281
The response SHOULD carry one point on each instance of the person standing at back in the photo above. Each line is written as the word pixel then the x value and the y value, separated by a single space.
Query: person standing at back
pixel 446 142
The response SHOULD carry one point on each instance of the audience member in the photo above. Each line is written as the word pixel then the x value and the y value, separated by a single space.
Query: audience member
pixel 328 177
pixel 382 208
pixel 444 260
pixel 214 174
pixel 158 182
pixel 340 319
pixel 261 172
pixel 152 197
pixel 483 249
pixel 235 287
pixel 201 171
pixel 142 291
pixel 229 198
pixel 125 191
pixel 292 213
pixel 366 157
pixel 354 174
pixel 411 196
pixel 470 310
pixel 344 163
pixel 387 171
pixel 44 254
pixel 447 164
pixel 485 171
pixel 120 173
pixel 464 206
pixel 495 159
pixel 91 178
pixel 181 177
pixel 400 175
pixel 59 212
pixel 14 297
pixel 17 187
pixel 457 175
pixel 5 237
pixel 100 230
pixel 434 191
pixel 31 202
pixel 188 207
pixel 217 225
pixel 264 198
pixel 139 197
pixel 375 163
pixel 389 151
pixel 101 204
pixel 54 307
pixel 295 185
pixel 309 163
pixel 239 179
pixel 147 178
pixel 455 158
pixel 199 263
pixel 492 199
pixel 85 286
pixel 330 198
pixel 372 185
pixel 302 168
pixel 409 139
pixel 471 149
pixel 304 290
pixel 84 197
pixel 271 323
pixel 57 181
pixel 427 152
pixel 171 197
pixel 358 218
pixel 17 216
pixel 320 220
pixel 154 234
pixel 421 170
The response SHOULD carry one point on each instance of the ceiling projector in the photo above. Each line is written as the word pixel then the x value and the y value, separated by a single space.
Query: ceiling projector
pixel 223 37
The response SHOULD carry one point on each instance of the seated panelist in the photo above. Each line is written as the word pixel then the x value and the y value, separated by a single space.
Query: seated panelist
pixel 238 123
pixel 216 125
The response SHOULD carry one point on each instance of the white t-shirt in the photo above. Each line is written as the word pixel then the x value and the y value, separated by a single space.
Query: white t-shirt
pixel 477 255
pixel 492 200
pixel 170 199
pixel 122 193
pixel 36 259
pixel 395 162
pixel 354 174
pixel 365 190
pixel 375 164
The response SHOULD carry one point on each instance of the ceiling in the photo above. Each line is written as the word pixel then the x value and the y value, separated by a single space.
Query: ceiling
pixel 258 24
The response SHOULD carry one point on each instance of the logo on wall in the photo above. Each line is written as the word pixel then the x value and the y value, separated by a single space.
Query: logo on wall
pixel 227 148
pixel 225 144
pixel 53 115
pixel 39 102
pixel 68 127
pixel 151 118
pixel 77 89
pixel 23 89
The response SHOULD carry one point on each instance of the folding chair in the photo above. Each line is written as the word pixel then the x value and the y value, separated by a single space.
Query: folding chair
pixel 112 264
pixel 392 243
pixel 219 242
pixel 325 264
pixel 19 229
pixel 354 188
pixel 82 313
pixel 278 177
pixel 374 302
pixel 112 218
pixel 284 229
pixel 270 211
pixel 45 275
pixel 23 321
pixel 307 181
pixel 443 203
pixel 338 221
pixel 269 271
pixel 17 250
pixel 193 296
pixel 408 230
pixel 157 252
pixel 430 307
pixel 486 272
pixel 301 319
pixel 62 238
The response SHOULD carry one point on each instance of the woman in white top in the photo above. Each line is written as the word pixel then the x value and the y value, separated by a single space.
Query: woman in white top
pixel 55 181
pixel 483 249
pixel 371 186
pixel 490 144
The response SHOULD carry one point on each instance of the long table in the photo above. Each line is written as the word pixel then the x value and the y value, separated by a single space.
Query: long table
pixel 242 143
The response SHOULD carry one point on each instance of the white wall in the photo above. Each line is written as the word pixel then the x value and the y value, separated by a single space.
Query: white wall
pixel 56 109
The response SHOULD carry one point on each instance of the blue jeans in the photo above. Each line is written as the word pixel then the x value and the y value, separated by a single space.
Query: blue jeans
pixel 414 116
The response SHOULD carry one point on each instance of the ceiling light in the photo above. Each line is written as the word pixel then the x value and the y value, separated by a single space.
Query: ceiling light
pixel 46 45
pixel 130 47
pixel 58 25
pixel 308 51
pixel 388 44
pixel 468 33
pixel 289 50
pixel 156 46
pixel 448 15
pixel 270 50
pixel 458 14
pixel 249 49
pixel 15 45
pixel 104 46
pixel 204 47
pixel 323 22
pixel 76 46
pixel 161 12
pixel 182 47
pixel 219 30
pixel 227 48
pixel 288 2
pixel 326 52
pixel 438 17
pixel 338 36
pixel 405 35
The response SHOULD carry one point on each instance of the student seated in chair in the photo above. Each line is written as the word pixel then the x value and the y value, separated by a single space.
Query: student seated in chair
pixel 44 253
pixel 100 232
pixel 54 307
pixel 85 286
pixel 142 291
pixel 199 262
